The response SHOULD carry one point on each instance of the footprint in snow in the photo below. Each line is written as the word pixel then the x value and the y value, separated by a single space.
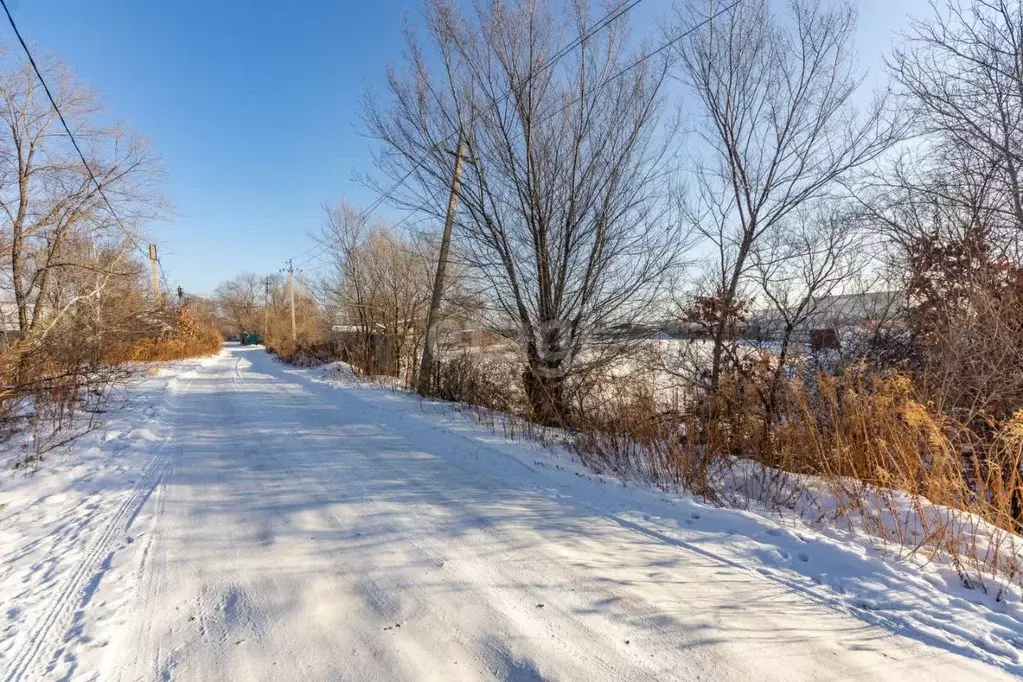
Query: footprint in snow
pixel 804 557
pixel 694 515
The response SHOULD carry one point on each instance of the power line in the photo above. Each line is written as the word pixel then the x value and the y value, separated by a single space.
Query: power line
pixel 309 250
pixel 653 53
pixel 550 62
pixel 649 55
pixel 67 129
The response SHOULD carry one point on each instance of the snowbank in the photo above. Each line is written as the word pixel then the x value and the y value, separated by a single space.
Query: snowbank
pixel 910 594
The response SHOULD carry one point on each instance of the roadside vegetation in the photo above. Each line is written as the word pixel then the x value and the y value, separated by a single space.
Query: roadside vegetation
pixel 76 309
pixel 776 288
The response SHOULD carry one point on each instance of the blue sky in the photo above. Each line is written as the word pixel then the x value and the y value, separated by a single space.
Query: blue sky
pixel 253 106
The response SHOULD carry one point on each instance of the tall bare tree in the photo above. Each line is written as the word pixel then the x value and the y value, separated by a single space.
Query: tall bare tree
pixel 961 70
pixel 775 108
pixel 51 212
pixel 69 277
pixel 563 215
pixel 952 207
pixel 240 302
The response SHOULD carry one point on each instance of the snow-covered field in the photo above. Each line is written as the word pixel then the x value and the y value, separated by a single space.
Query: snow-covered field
pixel 238 519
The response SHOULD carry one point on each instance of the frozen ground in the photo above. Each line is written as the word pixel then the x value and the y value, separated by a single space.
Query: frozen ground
pixel 237 519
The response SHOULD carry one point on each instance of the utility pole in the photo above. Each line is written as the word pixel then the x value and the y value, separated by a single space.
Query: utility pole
pixel 431 342
pixel 291 293
pixel 99 302
pixel 154 266
pixel 266 305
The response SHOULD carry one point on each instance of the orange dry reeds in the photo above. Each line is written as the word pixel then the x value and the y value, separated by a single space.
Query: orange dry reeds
pixel 859 450
pixel 190 338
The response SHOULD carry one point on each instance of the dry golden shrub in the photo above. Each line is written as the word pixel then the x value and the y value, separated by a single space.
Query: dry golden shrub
pixel 189 338
pixel 859 450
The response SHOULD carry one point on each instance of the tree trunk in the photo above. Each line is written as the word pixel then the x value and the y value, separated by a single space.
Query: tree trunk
pixel 545 394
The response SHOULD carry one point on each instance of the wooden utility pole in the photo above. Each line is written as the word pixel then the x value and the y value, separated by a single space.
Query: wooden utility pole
pixel 431 343
pixel 266 305
pixel 291 293
pixel 99 302
pixel 154 266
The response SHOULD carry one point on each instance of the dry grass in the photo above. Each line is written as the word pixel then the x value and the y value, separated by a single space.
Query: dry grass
pixel 471 379
pixel 55 385
pixel 304 354
pixel 189 338
pixel 51 392
pixel 859 450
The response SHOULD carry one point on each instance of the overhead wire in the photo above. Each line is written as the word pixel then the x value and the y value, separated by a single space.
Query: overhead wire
pixel 550 62
pixel 645 57
pixel 74 141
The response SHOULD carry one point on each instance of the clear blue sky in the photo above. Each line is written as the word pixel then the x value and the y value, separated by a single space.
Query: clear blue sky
pixel 253 106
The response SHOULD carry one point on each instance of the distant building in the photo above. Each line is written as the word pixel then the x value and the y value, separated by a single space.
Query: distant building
pixel 9 328
pixel 831 318
pixel 849 310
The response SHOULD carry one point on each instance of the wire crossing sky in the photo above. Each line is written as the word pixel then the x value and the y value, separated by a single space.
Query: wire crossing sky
pixel 254 107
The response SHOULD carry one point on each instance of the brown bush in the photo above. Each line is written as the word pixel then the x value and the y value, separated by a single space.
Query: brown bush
pixel 632 435
pixel 54 383
pixel 188 338
pixel 473 380
pixel 306 354
pixel 52 388
pixel 859 449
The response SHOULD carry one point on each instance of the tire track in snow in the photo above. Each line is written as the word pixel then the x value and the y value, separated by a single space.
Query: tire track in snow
pixel 48 633
pixel 993 652
pixel 48 636
pixel 151 554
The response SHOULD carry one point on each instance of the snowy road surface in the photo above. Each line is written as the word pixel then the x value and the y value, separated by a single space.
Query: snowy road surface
pixel 283 529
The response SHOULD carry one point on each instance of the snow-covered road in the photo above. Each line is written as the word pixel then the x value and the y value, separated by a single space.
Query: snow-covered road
pixel 286 529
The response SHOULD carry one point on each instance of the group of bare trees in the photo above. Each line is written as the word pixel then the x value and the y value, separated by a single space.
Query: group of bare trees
pixel 65 242
pixel 564 223
pixel 376 288
pixel 955 208
pixel 241 302
pixel 580 199
pixel 733 172
pixel 781 138
pixel 71 280
pixel 261 305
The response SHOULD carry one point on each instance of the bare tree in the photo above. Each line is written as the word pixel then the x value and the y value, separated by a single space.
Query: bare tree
pixel 961 70
pixel 53 215
pixel 70 280
pixel 952 207
pixel 377 283
pixel 240 302
pixel 775 110
pixel 799 268
pixel 563 214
